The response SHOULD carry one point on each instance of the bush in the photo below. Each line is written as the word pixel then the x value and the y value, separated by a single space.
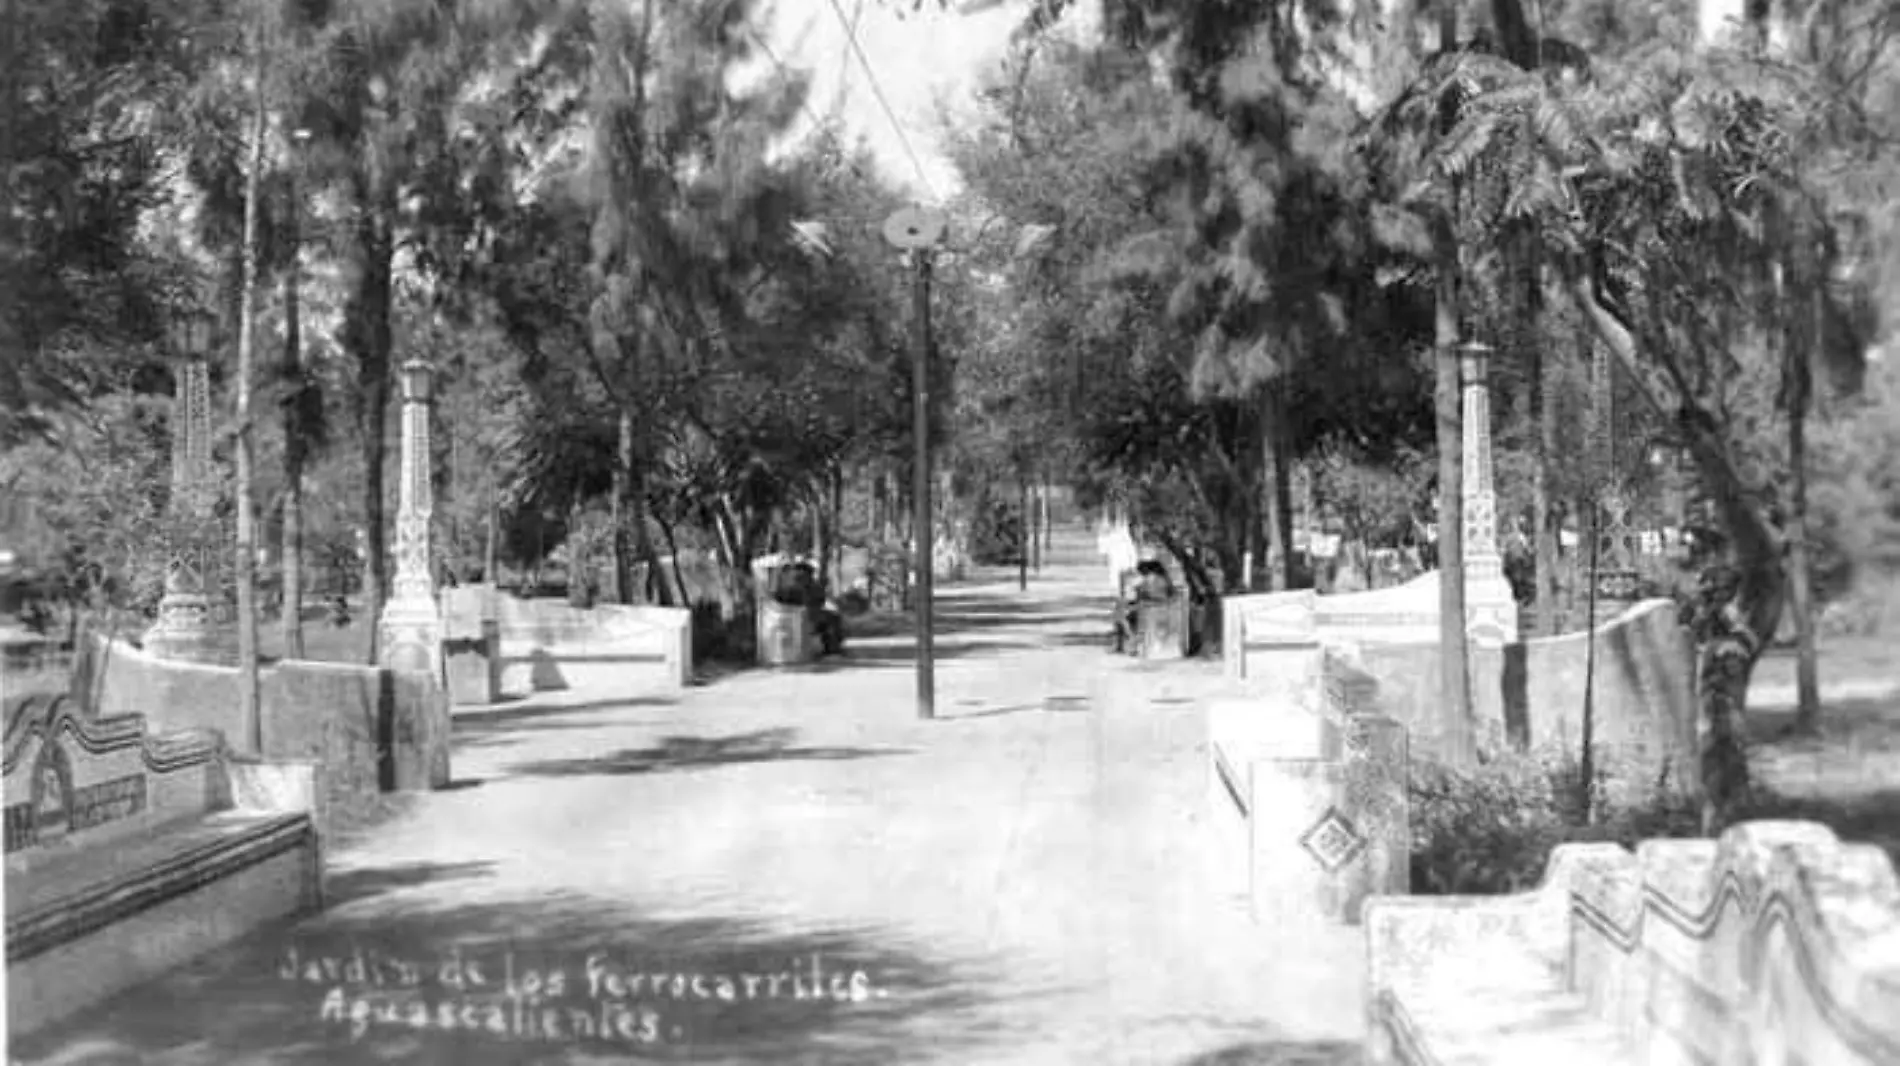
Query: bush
pixel 1491 829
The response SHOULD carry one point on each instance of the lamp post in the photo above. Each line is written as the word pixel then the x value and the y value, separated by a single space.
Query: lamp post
pixel 917 231
pixel 184 629
pixel 411 623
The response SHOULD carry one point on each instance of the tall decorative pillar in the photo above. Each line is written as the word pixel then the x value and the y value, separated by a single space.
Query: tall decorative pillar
pixel 411 638
pixel 1490 608
pixel 1615 582
pixel 186 627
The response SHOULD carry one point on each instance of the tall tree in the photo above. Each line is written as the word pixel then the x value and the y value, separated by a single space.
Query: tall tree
pixel 248 694
pixel 388 109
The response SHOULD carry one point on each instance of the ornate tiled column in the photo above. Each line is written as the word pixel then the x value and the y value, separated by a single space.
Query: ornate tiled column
pixel 411 638
pixel 1490 609
pixel 1616 581
pixel 186 627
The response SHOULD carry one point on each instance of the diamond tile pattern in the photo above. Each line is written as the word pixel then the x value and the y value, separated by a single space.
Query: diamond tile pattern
pixel 1333 841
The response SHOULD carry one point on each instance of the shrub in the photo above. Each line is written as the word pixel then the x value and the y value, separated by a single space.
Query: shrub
pixel 1491 829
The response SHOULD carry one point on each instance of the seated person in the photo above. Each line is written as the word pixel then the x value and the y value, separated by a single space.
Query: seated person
pixel 1151 586
pixel 788 587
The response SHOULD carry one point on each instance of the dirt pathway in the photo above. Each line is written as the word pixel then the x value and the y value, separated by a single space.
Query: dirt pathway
pixel 1002 885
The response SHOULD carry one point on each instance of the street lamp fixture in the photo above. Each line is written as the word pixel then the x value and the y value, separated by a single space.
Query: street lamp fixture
pixel 191 334
pixel 418 381
pixel 1474 362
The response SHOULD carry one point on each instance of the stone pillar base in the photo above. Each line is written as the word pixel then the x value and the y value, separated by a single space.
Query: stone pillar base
pixel 184 631
pixel 1491 611
pixel 412 637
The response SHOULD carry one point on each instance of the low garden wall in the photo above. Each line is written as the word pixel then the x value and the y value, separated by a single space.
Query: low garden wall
pixel 369 728
pixel 1531 695
pixel 1527 694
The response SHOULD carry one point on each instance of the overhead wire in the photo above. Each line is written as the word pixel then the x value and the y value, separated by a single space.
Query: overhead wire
pixel 844 62
pixel 877 90
pixel 805 105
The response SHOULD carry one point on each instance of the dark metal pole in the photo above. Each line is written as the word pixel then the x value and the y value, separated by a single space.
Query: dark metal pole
pixel 920 485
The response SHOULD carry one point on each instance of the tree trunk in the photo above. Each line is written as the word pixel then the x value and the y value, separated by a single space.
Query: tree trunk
pixel 820 533
pixel 491 551
pixel 249 708
pixel 736 584
pixel 621 491
pixel 1454 664
pixel 1034 525
pixel 1277 466
pixel 657 588
pixel 579 563
pixel 837 524
pixel 1282 433
pixel 1048 535
pixel 1800 564
pixel 879 512
pixel 296 443
pixel 673 550
pixel 1026 532
pixel 1544 543
pixel 367 337
pixel 1738 615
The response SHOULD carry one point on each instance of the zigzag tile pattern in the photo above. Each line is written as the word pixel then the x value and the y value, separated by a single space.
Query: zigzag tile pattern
pixel 48 716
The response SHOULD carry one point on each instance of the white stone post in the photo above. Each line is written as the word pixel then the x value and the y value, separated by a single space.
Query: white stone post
pixel 1490 609
pixel 412 621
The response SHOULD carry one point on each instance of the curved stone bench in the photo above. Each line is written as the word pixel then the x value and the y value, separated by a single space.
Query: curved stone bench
pixel 1307 797
pixel 1776 945
pixel 128 854
pixel 549 644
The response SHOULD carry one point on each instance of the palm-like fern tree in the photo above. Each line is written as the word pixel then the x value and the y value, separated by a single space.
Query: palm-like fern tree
pixel 1468 158
pixel 1665 202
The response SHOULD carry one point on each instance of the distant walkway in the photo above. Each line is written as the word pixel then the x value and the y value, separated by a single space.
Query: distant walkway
pixel 1015 885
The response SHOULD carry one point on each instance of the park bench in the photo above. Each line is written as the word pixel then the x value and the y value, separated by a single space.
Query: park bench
pixel 1306 789
pixel 129 854
pixel 1776 945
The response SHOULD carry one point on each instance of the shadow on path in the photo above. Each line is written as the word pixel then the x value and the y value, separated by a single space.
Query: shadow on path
pixel 404 983
pixel 677 753
pixel 902 653
pixel 472 720
pixel 354 885
pixel 976 612
pixel 1282 1053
